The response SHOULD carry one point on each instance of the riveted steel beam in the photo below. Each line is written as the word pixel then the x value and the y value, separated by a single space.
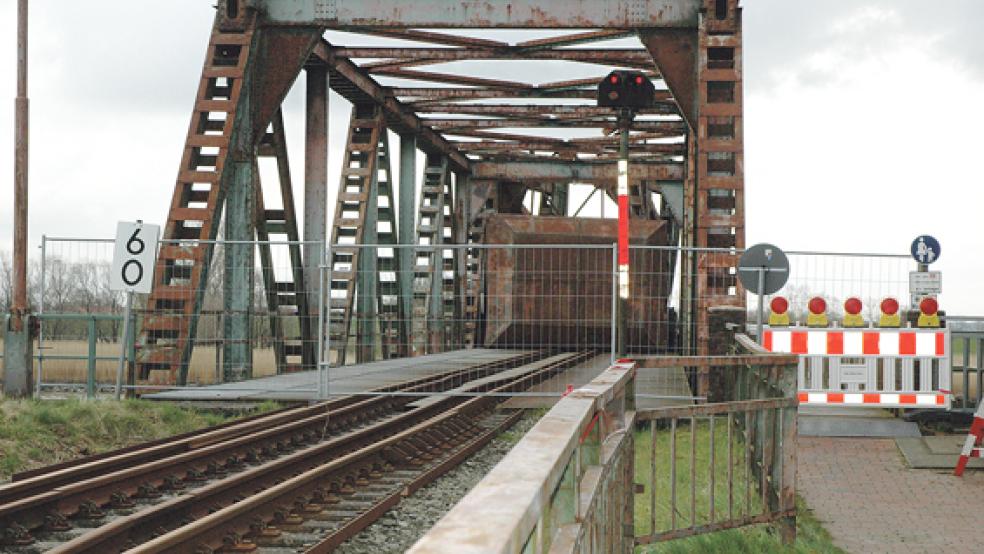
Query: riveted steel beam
pixel 606 56
pixel 351 82
pixel 571 171
pixel 446 124
pixel 555 14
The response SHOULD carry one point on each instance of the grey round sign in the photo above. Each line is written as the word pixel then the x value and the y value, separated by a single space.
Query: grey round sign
pixel 768 260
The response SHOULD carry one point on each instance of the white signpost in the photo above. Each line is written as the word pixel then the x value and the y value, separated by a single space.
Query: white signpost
pixel 132 271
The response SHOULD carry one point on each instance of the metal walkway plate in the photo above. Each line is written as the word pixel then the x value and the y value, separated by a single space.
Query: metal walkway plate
pixel 843 426
pixel 937 452
pixel 302 386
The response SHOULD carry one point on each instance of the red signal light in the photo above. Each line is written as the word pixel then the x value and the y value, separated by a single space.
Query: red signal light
pixel 638 80
pixel 890 306
pixel 614 79
pixel 817 305
pixel 852 306
pixel 929 306
pixel 779 305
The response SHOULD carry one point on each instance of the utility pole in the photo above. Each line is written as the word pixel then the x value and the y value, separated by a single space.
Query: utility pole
pixel 17 344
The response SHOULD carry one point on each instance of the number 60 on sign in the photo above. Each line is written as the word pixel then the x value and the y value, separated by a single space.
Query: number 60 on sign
pixel 133 257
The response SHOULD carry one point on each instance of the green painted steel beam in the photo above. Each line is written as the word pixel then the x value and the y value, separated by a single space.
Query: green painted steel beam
pixel 406 236
pixel 366 287
pixel 240 262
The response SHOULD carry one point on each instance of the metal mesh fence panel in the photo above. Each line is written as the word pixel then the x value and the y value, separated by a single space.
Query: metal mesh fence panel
pixel 474 302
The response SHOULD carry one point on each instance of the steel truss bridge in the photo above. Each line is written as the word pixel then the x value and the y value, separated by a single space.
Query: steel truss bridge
pixel 487 143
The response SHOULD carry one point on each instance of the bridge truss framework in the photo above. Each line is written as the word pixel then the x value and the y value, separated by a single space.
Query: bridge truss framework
pixel 487 142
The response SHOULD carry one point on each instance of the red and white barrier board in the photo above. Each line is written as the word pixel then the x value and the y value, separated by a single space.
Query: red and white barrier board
pixel 892 368
pixel 843 342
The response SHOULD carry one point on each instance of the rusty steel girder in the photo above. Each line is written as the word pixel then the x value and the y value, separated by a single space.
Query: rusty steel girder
pixel 563 296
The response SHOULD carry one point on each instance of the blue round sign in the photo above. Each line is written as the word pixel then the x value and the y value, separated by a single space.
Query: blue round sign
pixel 925 249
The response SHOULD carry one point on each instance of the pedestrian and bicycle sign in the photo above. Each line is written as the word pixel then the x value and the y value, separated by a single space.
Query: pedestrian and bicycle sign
pixel 925 249
pixel 133 257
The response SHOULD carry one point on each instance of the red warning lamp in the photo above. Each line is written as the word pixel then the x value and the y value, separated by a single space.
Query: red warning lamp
pixel 852 315
pixel 779 308
pixel 928 313
pixel 890 313
pixel 818 312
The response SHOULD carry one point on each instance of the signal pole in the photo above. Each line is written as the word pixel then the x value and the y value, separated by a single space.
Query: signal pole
pixel 625 117
pixel 625 92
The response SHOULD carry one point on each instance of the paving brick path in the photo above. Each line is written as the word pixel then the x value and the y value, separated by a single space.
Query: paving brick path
pixel 863 493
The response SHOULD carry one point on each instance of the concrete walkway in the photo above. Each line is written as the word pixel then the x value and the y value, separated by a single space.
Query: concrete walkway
pixel 870 501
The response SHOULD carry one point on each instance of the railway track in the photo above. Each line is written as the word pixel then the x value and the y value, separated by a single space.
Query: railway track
pixel 298 479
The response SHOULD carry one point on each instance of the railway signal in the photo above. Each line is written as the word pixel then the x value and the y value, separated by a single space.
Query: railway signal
pixel 625 91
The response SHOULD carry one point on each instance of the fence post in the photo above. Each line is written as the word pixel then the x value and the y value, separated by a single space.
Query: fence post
pixel 614 302
pixel 38 377
pixel 787 488
pixel 90 378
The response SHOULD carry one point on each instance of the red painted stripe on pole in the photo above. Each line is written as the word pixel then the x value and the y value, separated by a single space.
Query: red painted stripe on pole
pixel 940 344
pixel 623 229
pixel 835 342
pixel 767 340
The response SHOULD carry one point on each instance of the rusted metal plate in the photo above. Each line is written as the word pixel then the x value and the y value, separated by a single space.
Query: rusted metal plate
pixel 562 296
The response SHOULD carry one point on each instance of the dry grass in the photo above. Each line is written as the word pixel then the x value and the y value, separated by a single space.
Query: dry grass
pixel 202 372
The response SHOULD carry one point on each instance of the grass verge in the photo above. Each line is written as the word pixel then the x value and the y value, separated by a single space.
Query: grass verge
pixel 39 433
pixel 811 537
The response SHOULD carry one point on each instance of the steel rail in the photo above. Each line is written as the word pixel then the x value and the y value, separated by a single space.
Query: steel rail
pixel 82 491
pixel 264 500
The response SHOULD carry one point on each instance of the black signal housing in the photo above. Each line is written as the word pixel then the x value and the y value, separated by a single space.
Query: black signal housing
pixel 626 89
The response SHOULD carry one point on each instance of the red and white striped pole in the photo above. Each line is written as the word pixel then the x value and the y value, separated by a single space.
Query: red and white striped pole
pixel 625 120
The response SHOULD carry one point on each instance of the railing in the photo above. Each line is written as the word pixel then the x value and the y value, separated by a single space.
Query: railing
pixel 565 486
pixel 719 453
pixel 967 351
pixel 91 356
pixel 570 484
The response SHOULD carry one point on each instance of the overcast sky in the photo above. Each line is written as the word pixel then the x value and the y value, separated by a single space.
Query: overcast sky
pixel 861 122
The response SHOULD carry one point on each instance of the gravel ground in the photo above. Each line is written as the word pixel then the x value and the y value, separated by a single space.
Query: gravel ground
pixel 413 516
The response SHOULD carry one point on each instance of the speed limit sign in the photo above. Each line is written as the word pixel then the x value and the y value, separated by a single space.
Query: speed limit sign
pixel 133 258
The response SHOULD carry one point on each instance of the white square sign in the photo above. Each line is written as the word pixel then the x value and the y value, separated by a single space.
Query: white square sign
pixel 924 283
pixel 134 257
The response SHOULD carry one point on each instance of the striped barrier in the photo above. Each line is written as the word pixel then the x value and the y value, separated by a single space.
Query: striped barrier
pixel 972 446
pixel 891 368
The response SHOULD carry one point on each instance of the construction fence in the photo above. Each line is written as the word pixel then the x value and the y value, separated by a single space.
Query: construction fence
pixel 368 304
